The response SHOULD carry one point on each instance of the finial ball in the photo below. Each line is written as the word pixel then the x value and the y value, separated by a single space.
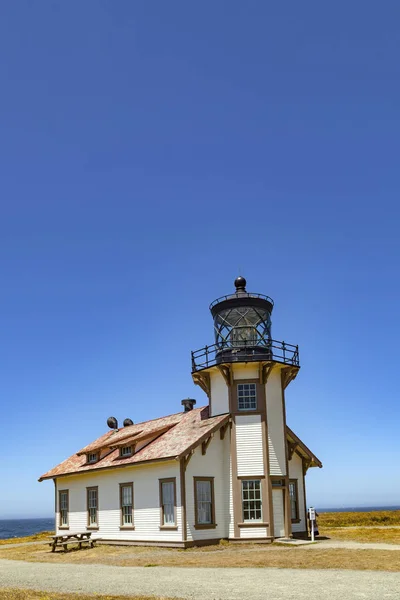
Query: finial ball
pixel 240 283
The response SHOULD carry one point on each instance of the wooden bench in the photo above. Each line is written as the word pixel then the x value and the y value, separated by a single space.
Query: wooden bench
pixel 81 538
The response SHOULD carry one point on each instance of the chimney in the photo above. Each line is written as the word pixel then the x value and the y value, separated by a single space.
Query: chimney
pixel 188 404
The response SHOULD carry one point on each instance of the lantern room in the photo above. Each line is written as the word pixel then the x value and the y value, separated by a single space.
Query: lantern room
pixel 242 332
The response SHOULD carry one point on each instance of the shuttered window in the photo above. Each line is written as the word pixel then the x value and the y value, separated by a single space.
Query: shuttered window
pixel 92 506
pixel 126 501
pixel 251 500
pixel 294 500
pixel 168 501
pixel 63 507
pixel 247 396
pixel 204 502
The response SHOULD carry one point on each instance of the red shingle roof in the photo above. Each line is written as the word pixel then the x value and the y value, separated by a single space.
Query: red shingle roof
pixel 185 431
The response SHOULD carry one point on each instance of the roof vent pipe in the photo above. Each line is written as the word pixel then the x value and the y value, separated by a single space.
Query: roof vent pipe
pixel 188 404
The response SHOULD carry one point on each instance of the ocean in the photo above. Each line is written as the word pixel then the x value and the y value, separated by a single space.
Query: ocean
pixel 10 528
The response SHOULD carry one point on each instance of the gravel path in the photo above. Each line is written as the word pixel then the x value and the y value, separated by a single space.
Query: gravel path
pixel 201 584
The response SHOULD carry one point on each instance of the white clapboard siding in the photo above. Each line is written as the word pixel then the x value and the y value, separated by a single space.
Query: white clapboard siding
pixel 219 394
pixel 279 515
pixel 275 421
pixel 215 463
pixel 296 472
pixel 249 445
pixel 146 511
pixel 253 532
pixel 231 515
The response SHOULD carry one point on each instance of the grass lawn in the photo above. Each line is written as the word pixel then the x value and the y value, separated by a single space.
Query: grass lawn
pixel 16 594
pixel 223 555
pixel 37 537
pixel 387 535
pixel 385 518
pixel 381 526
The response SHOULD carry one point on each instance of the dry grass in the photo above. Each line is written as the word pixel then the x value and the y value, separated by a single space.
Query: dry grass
pixel 378 535
pixel 37 537
pixel 223 555
pixel 359 519
pixel 16 594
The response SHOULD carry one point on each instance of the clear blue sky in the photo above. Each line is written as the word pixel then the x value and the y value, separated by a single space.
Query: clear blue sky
pixel 150 151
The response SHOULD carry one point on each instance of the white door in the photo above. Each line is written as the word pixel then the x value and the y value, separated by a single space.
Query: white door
pixel 279 515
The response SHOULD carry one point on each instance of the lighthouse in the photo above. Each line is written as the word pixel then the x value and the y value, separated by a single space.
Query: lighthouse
pixel 230 469
pixel 245 372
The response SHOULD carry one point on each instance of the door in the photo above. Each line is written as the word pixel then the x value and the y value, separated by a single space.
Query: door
pixel 279 514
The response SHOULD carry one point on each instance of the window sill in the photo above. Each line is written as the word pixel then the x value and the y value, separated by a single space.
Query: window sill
pixel 205 526
pixel 296 520
pixel 127 528
pixel 168 527
pixel 92 527
pixel 64 528
pixel 253 524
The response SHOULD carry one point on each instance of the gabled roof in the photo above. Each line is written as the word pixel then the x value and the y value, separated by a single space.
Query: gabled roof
pixel 176 436
pixel 302 449
pixel 170 437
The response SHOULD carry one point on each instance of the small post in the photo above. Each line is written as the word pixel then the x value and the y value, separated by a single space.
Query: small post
pixel 311 516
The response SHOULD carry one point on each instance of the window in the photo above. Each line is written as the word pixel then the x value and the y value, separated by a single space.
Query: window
pixel 294 500
pixel 204 502
pixel 126 500
pixel 168 502
pixel 63 502
pixel 92 457
pixel 247 396
pixel 251 499
pixel 92 506
pixel 126 451
pixel 278 483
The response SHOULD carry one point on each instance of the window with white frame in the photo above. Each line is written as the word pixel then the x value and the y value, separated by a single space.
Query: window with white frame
pixel 251 500
pixel 92 506
pixel 167 501
pixel 204 501
pixel 294 500
pixel 63 504
pixel 92 457
pixel 126 451
pixel 126 496
pixel 247 396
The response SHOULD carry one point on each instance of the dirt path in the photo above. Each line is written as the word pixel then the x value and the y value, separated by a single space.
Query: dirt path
pixel 201 584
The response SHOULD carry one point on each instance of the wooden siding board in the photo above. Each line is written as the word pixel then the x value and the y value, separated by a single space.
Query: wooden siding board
pixel 276 438
pixel 253 532
pixel 146 503
pixel 296 472
pixel 249 446
pixel 279 515
pixel 212 464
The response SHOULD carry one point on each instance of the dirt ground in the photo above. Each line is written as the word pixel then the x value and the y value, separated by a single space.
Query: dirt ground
pixel 16 594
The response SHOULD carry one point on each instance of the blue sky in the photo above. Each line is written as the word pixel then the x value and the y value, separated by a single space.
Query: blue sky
pixel 151 151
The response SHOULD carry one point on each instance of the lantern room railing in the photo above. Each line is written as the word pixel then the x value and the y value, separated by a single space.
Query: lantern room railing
pixel 247 295
pixel 228 353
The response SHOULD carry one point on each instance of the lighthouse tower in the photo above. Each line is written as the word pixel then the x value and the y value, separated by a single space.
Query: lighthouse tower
pixel 245 373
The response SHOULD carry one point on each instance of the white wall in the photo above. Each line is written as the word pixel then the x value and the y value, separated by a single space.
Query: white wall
pixel 245 371
pixel 249 444
pixel 296 472
pixel 279 514
pixel 219 394
pixel 215 463
pixel 146 502
pixel 276 435
pixel 253 532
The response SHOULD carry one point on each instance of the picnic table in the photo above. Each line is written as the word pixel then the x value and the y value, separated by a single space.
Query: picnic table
pixel 83 537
